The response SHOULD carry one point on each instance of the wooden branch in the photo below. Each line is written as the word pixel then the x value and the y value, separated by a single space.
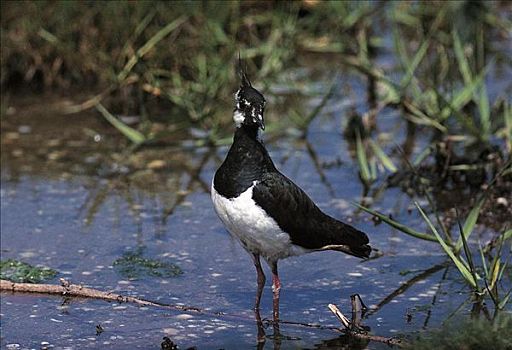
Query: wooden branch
pixel 66 289
pixel 76 290
pixel 353 331
pixel 342 318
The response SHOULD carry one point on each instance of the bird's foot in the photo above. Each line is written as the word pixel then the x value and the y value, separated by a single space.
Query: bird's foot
pixel 359 328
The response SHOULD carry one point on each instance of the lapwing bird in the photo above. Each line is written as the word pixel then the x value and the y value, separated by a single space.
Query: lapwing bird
pixel 270 215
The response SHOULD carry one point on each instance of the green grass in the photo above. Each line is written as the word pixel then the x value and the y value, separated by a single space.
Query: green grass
pixel 467 335
pixel 483 278
pixel 179 57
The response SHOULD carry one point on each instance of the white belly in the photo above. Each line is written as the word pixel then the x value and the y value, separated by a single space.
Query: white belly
pixel 258 232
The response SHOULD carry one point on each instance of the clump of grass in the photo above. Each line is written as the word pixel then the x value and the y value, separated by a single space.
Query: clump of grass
pixel 468 334
pixel 174 63
pixel 483 278
pixel 177 56
pixel 441 89
pixel 370 159
pixel 441 82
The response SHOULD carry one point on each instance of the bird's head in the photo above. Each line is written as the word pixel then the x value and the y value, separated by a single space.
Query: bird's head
pixel 249 104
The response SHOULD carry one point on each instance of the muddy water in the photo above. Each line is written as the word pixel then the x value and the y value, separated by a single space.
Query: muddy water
pixel 72 201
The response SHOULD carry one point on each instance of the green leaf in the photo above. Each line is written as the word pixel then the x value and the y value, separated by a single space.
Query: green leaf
pixel 463 96
pixel 144 49
pixel 467 252
pixel 507 234
pixel 384 159
pixel 389 92
pixel 373 169
pixel 400 48
pixel 497 269
pixel 46 35
pixel 461 266
pixel 133 135
pixel 405 229
pixel 362 160
pixel 504 301
pixel 494 273
pixel 464 69
pixel 484 264
pixel 412 65
pixel 421 157
pixel 507 115
pixel 469 224
pixel 503 268
pixel 485 114
pixel 417 116
pixel 464 167
pixel 404 17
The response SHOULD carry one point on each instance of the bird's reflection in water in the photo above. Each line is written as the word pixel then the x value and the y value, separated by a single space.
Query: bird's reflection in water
pixel 343 342
pixel 261 324
pixel 278 339
pixel 261 329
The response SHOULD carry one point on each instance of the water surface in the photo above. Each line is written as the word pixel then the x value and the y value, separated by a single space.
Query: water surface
pixel 67 205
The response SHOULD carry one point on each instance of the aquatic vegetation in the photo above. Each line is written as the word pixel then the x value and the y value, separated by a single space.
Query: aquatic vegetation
pixel 133 265
pixel 18 271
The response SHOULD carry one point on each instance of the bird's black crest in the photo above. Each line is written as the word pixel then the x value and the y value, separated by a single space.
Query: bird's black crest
pixel 242 72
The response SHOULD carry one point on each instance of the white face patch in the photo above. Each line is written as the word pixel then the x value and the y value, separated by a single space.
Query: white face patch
pixel 242 103
pixel 239 118
pixel 256 117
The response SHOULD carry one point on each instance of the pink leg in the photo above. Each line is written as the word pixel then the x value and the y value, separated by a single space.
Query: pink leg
pixel 261 280
pixel 276 287
pixel 261 284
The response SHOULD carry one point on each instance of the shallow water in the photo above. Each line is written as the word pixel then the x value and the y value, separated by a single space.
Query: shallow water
pixel 72 215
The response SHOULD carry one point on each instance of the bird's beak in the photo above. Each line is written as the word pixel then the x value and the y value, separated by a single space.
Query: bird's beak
pixel 259 121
